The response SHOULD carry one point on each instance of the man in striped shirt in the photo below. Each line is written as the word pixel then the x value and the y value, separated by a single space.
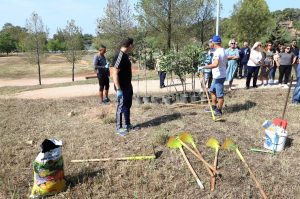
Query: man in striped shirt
pixel 122 75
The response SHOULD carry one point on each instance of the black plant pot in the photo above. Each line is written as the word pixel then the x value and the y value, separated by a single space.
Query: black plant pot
pixel 195 98
pixel 157 100
pixel 147 99
pixel 139 99
pixel 185 98
pixel 168 100
pixel 178 97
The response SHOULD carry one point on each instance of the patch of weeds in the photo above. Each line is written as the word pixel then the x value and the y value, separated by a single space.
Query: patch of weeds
pixel 161 138
pixel 109 120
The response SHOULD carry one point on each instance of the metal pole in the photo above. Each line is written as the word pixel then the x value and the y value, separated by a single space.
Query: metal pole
pixel 218 17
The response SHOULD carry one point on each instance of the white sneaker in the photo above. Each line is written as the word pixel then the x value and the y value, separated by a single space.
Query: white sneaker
pixel 275 81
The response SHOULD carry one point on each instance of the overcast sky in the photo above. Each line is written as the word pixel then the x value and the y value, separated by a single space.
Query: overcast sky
pixel 56 13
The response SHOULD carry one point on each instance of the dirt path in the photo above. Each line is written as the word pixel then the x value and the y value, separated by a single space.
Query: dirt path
pixel 92 89
pixel 33 82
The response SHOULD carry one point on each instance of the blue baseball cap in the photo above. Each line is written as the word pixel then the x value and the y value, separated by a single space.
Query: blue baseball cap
pixel 216 39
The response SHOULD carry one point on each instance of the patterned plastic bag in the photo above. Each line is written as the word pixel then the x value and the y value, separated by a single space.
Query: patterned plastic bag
pixel 48 172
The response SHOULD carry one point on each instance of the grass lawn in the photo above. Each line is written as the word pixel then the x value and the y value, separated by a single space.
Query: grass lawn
pixel 90 134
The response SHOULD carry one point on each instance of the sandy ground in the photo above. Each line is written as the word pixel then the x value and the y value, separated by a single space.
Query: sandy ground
pixel 33 82
pixel 152 86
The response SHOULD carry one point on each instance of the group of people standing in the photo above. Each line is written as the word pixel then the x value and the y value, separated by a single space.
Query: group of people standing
pixel 261 63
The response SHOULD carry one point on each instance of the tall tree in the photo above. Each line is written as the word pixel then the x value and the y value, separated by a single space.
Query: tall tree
pixel 35 43
pixel 116 23
pixel 170 18
pixel 250 20
pixel 74 44
pixel 7 42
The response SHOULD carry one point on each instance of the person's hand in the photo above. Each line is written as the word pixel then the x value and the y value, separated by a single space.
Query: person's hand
pixel 200 68
pixel 119 93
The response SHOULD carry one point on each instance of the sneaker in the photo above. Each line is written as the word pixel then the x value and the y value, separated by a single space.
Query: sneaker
pixel 207 109
pixel 217 112
pixel 106 100
pixel 122 132
pixel 131 127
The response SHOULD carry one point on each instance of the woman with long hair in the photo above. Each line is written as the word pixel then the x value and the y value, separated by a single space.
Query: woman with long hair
pixel 232 54
pixel 267 66
pixel 254 63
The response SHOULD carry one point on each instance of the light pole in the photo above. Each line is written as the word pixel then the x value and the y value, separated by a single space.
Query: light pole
pixel 218 17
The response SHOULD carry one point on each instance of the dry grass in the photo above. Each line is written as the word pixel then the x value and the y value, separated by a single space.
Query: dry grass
pixel 87 135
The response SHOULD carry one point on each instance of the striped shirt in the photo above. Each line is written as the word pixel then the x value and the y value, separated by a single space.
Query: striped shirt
pixel 121 61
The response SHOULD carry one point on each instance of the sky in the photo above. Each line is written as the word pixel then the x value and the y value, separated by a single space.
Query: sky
pixel 56 13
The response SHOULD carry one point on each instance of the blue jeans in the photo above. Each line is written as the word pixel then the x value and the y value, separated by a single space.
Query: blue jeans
pixel 217 87
pixel 252 70
pixel 162 77
pixel 296 95
pixel 123 107
pixel 272 72
pixel 241 67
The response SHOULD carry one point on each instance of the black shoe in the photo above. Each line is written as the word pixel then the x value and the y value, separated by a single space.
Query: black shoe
pixel 247 87
pixel 217 112
pixel 106 100
pixel 163 86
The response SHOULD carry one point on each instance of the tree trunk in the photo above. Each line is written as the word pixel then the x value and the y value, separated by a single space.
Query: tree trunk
pixel 38 63
pixel 73 72
pixel 169 25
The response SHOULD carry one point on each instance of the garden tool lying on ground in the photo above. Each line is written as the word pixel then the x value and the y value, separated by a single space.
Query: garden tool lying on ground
pixel 230 145
pixel 174 143
pixel 281 121
pixel 198 156
pixel 187 138
pixel 202 83
pixel 151 157
pixel 214 144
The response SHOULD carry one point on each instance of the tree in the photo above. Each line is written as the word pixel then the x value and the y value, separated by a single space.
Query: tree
pixel 74 44
pixel 250 20
pixel 17 35
pixel 56 45
pixel 116 23
pixel 7 43
pixel 35 43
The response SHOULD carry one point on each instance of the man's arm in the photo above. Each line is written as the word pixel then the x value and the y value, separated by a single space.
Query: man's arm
pixel 214 64
pixel 115 77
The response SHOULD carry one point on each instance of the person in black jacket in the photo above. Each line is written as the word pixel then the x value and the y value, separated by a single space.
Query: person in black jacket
pixel 244 57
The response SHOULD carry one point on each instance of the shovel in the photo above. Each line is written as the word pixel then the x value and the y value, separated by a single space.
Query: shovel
pixel 230 145
pixel 187 138
pixel 202 82
pixel 214 144
pixel 174 143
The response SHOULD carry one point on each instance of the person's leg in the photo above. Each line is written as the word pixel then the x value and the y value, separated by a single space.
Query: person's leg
pixel 256 71
pixel 220 95
pixel 287 74
pixel 119 112
pixel 296 94
pixel 106 89
pixel 101 88
pixel 164 74
pixel 295 66
pixel 213 96
pixel 127 93
pixel 249 75
pixel 240 70
pixel 245 69
pixel 281 73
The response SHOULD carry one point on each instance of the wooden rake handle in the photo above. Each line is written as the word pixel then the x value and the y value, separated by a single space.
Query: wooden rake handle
pixel 191 169
pixel 213 178
pixel 207 167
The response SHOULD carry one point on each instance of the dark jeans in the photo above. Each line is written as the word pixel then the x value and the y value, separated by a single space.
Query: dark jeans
pixel 284 70
pixel 252 70
pixel 272 72
pixel 123 107
pixel 162 77
pixel 296 95
pixel 241 67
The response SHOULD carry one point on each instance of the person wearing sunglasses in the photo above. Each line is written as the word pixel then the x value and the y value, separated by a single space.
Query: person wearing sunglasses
pixel 232 54
pixel 287 59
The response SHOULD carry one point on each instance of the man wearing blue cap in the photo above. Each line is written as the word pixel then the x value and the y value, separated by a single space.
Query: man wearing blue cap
pixel 218 67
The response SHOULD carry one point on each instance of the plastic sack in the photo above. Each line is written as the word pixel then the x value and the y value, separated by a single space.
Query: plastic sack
pixel 48 170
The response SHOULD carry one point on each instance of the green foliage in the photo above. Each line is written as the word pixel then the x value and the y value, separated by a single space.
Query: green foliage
pixel 288 14
pixel 7 42
pixel 56 45
pixel 250 20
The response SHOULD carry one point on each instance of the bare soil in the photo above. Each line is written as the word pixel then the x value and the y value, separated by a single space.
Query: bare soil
pixel 90 134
